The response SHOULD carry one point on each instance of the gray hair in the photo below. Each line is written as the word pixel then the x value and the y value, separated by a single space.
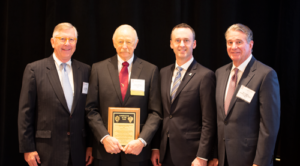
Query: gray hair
pixel 242 28
pixel 128 26
pixel 63 26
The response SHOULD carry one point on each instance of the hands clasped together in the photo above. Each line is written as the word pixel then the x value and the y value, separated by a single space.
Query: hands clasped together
pixel 113 146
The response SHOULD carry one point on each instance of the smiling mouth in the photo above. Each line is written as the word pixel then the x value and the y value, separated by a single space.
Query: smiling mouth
pixel 66 49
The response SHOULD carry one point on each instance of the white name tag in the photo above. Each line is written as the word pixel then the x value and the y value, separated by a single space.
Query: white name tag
pixel 85 87
pixel 137 87
pixel 245 94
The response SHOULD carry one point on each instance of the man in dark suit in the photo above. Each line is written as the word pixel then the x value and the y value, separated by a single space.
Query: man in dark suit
pixel 52 127
pixel 248 104
pixel 188 98
pixel 110 86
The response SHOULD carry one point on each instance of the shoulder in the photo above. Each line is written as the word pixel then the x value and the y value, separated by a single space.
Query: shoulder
pixel 146 64
pixel 223 68
pixel 166 69
pixel 263 68
pixel 39 63
pixel 81 64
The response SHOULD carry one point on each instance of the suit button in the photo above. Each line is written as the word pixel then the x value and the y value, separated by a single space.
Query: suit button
pixel 68 133
pixel 171 116
pixel 168 135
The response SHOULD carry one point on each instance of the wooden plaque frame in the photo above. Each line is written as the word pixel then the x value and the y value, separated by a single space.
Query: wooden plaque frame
pixel 120 110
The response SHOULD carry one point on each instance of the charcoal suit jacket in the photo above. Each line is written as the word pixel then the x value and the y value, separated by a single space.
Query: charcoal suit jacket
pixel 45 123
pixel 104 92
pixel 189 122
pixel 249 130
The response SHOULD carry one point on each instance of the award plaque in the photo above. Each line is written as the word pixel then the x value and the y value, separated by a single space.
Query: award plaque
pixel 124 124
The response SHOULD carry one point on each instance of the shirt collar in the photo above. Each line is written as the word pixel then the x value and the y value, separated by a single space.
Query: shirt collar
pixel 243 65
pixel 120 60
pixel 58 62
pixel 186 65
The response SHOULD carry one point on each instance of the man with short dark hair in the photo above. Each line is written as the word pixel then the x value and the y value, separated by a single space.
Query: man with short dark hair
pixel 188 99
pixel 52 127
pixel 248 104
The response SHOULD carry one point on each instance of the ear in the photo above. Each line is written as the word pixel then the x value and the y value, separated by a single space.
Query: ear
pixel 194 44
pixel 52 42
pixel 251 43
pixel 136 43
pixel 114 43
pixel 171 44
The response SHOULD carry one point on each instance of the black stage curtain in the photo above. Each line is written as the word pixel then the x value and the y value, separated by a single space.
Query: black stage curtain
pixel 27 26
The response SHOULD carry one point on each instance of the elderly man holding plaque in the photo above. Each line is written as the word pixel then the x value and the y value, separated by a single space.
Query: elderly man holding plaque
pixel 126 83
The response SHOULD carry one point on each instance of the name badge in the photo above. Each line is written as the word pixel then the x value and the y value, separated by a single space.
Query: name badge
pixel 85 87
pixel 137 87
pixel 245 94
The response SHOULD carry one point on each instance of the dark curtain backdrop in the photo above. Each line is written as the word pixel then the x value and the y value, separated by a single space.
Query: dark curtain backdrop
pixel 27 26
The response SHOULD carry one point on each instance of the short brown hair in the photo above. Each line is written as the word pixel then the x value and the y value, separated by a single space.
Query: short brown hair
pixel 183 25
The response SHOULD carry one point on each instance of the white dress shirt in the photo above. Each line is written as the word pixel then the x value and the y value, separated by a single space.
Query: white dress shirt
pixel 241 68
pixel 59 69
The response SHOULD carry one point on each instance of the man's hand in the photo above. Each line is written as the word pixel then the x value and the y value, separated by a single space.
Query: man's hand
pixel 255 165
pixel 213 162
pixel 88 156
pixel 155 157
pixel 199 162
pixel 134 147
pixel 112 145
pixel 32 158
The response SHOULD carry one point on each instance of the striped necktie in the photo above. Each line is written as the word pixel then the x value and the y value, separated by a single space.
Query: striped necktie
pixel 176 83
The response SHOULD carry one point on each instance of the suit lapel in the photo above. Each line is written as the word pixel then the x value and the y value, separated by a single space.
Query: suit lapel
pixel 169 83
pixel 114 74
pixel 135 73
pixel 245 79
pixel 55 83
pixel 77 84
pixel 188 75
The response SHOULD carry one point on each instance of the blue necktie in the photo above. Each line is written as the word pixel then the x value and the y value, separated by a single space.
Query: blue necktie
pixel 67 86
pixel 176 83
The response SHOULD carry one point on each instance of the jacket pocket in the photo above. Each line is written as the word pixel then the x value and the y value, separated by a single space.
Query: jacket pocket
pixel 193 135
pixel 251 141
pixel 43 134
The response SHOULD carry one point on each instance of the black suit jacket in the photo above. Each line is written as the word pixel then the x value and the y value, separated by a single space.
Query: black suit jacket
pixel 190 119
pixel 104 92
pixel 44 118
pixel 249 130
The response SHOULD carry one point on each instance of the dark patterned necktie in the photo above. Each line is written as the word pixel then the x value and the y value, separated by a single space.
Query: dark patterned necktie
pixel 123 77
pixel 231 89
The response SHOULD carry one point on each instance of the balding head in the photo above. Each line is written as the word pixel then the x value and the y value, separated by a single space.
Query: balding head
pixel 125 40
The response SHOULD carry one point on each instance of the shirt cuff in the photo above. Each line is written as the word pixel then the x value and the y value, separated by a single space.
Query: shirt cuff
pixel 103 138
pixel 202 158
pixel 143 141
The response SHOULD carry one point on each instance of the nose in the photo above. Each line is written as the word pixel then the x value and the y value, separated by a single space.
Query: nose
pixel 67 41
pixel 234 45
pixel 181 43
pixel 124 45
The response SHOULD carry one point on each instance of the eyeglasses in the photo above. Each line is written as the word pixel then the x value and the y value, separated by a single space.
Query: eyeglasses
pixel 65 39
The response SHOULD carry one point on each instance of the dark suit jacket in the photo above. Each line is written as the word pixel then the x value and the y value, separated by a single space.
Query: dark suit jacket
pixel 249 131
pixel 44 118
pixel 104 92
pixel 190 119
